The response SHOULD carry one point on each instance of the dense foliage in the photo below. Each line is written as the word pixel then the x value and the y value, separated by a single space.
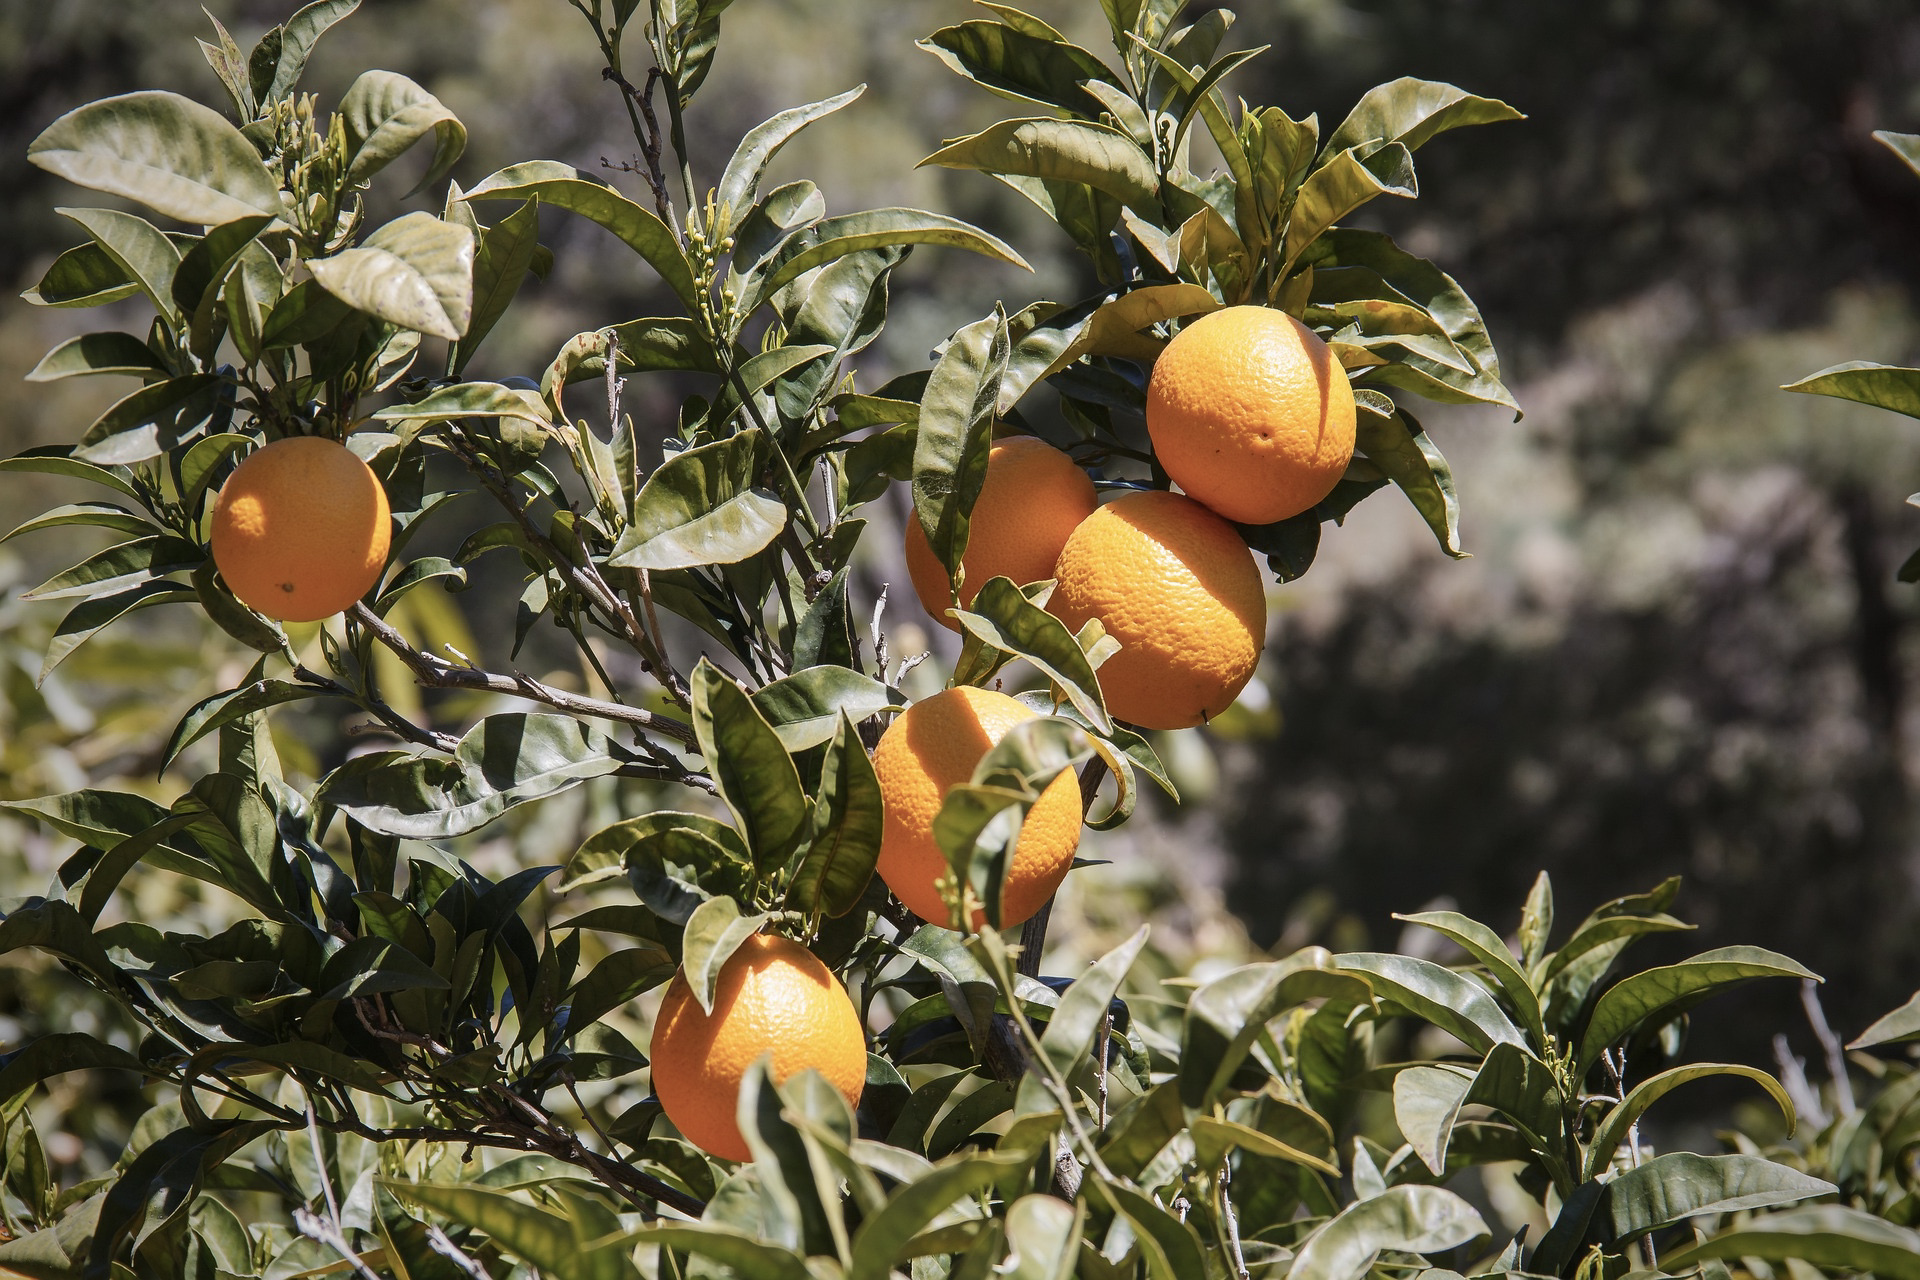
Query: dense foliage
pixel 385 1061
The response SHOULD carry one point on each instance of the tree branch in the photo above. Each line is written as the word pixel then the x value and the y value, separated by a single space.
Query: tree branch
pixel 436 672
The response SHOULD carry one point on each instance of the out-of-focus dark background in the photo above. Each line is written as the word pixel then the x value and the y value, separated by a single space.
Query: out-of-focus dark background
pixel 1679 647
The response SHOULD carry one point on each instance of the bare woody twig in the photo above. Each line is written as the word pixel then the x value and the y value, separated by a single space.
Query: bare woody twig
pixel 436 672
pixel 642 99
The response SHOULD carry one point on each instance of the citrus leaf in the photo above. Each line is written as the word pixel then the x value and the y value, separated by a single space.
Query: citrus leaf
pixel 83 276
pixel 500 264
pixel 1403 1219
pixel 1225 1016
pixel 1343 184
pixel 225 708
pixel 1077 1020
pixel 750 768
pixel 541 1237
pixel 1003 618
pixel 138 248
pixel 165 151
pixel 88 618
pixel 1171 1248
pixel 1426 1102
pixel 1486 946
pixel 1898 1027
pixel 504 761
pixel 643 232
pixel 1060 150
pixel 97 353
pixel 1410 112
pixel 1829 1235
pixel 1114 328
pixel 385 115
pixel 1680 1185
pixel 1883 386
pixel 151 421
pixel 740 183
pixel 1021 65
pixel 415 272
pixel 1654 996
pixel 699 507
pixel 832 238
pixel 1621 1116
pixel 120 566
pixel 956 433
pixel 882 1238
pixel 103 515
pixel 297 38
pixel 714 931
pixel 1043 1238
pixel 1441 996
pixel 838 863
pixel 805 708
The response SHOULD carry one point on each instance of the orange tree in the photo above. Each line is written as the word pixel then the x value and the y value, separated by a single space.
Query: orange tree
pixel 379 1067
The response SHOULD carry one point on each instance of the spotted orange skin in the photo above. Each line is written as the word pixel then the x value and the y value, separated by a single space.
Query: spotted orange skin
pixel 1251 414
pixel 934 745
pixel 1032 499
pixel 774 998
pixel 1176 586
pixel 301 529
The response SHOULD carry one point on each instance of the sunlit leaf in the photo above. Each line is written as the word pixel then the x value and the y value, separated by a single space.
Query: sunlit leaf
pixel 416 272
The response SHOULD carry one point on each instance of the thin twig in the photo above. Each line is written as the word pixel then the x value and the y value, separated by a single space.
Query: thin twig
pixel 315 1227
pixel 437 1241
pixel 1830 1044
pixel 649 137
pixel 1232 1221
pixel 395 723
pixel 436 672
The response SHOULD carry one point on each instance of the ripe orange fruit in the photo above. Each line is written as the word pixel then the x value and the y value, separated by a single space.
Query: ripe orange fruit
pixel 1033 497
pixel 1175 585
pixel 1251 414
pixel 774 997
pixel 301 529
pixel 935 745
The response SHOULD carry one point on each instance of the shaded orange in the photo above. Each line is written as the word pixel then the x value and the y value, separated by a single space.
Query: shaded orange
pixel 1031 500
pixel 301 529
pixel 934 745
pixel 1176 586
pixel 1251 414
pixel 774 998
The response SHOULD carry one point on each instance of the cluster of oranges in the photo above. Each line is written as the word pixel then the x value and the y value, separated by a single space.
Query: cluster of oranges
pixel 1250 415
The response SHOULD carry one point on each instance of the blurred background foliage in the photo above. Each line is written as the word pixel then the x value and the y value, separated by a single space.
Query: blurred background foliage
pixel 1679 647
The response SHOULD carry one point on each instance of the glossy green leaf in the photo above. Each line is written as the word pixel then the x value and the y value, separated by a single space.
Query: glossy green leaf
pixel 1613 1127
pixel 1171 1247
pixel 1342 185
pixel 1076 1023
pixel 151 420
pixel 1486 946
pixel 881 1239
pixel 297 38
pixel 506 760
pixel 1410 111
pixel 714 932
pixel 1829 1235
pixel 1021 65
pixel 700 507
pixel 500 265
pixel 641 230
pixel 1603 932
pixel 306 314
pixel 1446 999
pixel 83 276
pixel 97 353
pixel 740 183
pixel 1403 1219
pixel 139 248
pixel 1003 618
pixel 1043 1239
pixel 415 272
pixel 955 434
pixel 805 708
pixel 1524 1091
pixel 751 769
pixel 1426 1102
pixel 225 708
pixel 56 1054
pixel 1898 1027
pixel 664 342
pixel 1680 1185
pixel 385 115
pixel 1353 264
pixel 1114 328
pixel 1880 385
pixel 104 515
pixel 837 865
pixel 542 1237
pixel 1059 150
pixel 469 400
pixel 1904 145
pixel 165 151
pixel 1226 1015
pixel 832 238
pixel 1656 995
pixel 57 460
